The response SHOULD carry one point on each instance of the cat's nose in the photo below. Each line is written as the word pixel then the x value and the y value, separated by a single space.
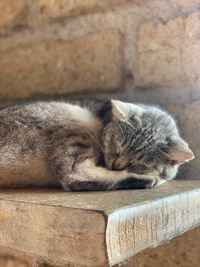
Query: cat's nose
pixel 119 164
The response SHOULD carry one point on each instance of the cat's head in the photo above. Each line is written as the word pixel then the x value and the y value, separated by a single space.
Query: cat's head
pixel 143 139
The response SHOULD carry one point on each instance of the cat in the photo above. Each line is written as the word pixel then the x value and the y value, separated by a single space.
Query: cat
pixel 117 146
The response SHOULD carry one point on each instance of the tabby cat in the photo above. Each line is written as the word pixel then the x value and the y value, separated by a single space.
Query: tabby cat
pixel 118 146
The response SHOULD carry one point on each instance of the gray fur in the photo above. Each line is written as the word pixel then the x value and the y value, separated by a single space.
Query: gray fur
pixel 55 143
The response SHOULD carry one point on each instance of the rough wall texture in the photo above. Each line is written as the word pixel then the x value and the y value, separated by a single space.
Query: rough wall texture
pixel 64 46
pixel 137 50
pixel 60 66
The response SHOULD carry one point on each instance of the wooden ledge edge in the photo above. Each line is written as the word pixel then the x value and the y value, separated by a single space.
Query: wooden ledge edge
pixel 133 229
pixel 75 236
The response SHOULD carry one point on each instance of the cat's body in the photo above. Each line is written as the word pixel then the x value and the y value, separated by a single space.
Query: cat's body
pixel 56 143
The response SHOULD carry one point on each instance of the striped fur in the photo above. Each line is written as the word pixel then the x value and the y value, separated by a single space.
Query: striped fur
pixel 114 146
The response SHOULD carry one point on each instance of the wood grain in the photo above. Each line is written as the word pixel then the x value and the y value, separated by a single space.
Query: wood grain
pixel 72 235
pixel 97 228
pixel 133 229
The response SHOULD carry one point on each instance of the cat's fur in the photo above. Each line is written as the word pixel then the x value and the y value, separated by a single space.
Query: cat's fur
pixel 117 146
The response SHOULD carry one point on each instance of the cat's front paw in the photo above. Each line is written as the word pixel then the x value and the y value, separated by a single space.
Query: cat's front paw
pixel 154 182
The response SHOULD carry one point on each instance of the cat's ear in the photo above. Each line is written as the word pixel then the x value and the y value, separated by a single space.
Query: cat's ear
pixel 122 109
pixel 178 151
pixel 119 109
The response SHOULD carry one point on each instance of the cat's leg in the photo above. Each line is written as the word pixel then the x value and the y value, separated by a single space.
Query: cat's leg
pixel 86 176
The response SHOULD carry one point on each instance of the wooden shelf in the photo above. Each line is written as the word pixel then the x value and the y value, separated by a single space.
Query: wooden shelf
pixel 96 228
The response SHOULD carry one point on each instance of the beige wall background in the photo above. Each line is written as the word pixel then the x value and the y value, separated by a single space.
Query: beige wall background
pixel 138 50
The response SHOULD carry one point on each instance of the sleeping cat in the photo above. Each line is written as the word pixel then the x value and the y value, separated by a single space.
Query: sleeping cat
pixel 120 146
